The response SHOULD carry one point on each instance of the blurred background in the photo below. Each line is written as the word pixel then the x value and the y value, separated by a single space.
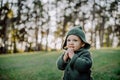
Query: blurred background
pixel 41 25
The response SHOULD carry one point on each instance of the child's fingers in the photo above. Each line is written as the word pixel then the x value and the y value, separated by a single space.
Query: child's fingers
pixel 70 50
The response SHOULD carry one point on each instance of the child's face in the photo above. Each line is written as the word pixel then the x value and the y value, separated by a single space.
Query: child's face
pixel 74 42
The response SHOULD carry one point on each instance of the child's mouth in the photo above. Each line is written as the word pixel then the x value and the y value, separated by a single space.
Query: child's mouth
pixel 70 46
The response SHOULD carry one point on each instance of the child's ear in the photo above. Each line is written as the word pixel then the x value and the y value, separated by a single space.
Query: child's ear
pixel 83 44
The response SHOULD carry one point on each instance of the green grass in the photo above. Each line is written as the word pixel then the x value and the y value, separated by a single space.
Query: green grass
pixel 42 65
pixel 106 64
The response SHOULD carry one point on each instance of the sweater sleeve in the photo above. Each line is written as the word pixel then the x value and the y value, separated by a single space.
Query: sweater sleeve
pixel 60 63
pixel 83 62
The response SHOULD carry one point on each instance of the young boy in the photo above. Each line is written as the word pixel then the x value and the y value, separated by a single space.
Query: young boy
pixel 75 60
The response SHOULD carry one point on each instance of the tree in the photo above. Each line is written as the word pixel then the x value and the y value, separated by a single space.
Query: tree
pixel 38 9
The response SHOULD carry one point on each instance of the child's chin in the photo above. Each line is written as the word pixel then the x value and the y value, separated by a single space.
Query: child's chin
pixel 75 49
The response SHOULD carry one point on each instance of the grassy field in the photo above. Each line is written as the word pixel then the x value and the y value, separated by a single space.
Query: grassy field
pixel 42 65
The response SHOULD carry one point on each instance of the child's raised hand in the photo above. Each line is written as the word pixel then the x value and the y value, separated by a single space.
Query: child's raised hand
pixel 65 57
pixel 70 52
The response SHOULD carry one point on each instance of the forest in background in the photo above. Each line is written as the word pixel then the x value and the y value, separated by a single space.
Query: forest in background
pixel 36 25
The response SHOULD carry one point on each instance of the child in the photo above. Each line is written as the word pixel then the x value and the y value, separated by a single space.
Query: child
pixel 75 60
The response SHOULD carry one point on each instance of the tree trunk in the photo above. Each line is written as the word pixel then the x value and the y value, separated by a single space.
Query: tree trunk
pixel 46 47
pixel 7 22
pixel 102 32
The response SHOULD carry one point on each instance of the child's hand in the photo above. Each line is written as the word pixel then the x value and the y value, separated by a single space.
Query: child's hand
pixel 65 57
pixel 70 52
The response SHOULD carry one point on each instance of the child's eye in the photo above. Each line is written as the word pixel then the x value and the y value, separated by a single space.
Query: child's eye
pixel 75 40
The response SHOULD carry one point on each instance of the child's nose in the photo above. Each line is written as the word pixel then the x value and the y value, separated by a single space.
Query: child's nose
pixel 71 42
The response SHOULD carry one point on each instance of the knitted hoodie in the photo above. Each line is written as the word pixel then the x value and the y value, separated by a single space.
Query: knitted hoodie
pixel 78 32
